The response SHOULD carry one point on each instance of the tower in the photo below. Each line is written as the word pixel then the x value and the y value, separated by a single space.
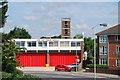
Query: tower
pixel 65 28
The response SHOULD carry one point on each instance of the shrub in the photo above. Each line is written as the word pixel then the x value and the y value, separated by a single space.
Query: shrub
pixel 9 76
pixel 28 77
pixel 6 75
pixel 97 66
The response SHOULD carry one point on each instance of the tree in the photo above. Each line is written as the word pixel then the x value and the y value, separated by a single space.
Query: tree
pixel 20 33
pixel 3 10
pixel 89 47
pixel 78 36
pixel 9 62
pixel 53 37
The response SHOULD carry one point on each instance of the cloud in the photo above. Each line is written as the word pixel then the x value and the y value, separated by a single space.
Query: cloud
pixel 30 17
pixel 81 26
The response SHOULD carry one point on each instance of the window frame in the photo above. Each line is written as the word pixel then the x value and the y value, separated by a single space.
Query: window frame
pixel 117 49
pixel 103 61
pixel 103 39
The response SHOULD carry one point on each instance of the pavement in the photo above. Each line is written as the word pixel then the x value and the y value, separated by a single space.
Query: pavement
pixel 52 69
pixel 36 68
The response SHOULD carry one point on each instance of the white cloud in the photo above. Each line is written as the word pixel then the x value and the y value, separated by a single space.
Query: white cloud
pixel 30 17
pixel 81 26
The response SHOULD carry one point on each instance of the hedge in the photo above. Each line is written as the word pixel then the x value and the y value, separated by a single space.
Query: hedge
pixel 97 66
pixel 9 76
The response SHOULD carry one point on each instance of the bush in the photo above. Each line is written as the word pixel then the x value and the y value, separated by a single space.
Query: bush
pixel 28 77
pixel 9 76
pixel 97 66
pixel 19 72
pixel 6 75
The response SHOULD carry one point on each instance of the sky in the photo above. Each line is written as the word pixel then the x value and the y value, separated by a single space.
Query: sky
pixel 44 18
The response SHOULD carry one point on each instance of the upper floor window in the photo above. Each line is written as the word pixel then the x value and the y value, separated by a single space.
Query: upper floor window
pixel 118 49
pixel 117 37
pixel 44 44
pixel 31 44
pixel 40 44
pixel 66 32
pixel 73 44
pixel 20 43
pixel 102 38
pixel 53 44
pixel 103 50
pixel 64 43
pixel 117 62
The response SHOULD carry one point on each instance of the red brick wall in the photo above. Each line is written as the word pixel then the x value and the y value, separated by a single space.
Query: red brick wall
pixel 112 54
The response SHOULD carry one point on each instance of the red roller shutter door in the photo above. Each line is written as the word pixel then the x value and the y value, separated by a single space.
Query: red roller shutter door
pixel 32 59
pixel 62 58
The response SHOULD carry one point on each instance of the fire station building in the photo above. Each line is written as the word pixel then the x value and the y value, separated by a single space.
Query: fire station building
pixel 42 52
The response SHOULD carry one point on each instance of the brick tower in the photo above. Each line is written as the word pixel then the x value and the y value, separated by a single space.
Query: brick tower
pixel 65 28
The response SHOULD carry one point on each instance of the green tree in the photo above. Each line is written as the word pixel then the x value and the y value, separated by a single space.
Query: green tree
pixel 20 33
pixel 9 62
pixel 89 47
pixel 53 37
pixel 3 10
pixel 78 36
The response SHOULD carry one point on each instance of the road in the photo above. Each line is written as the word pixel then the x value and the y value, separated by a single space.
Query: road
pixel 71 75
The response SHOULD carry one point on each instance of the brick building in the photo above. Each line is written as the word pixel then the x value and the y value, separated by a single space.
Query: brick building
pixel 109 47
pixel 65 28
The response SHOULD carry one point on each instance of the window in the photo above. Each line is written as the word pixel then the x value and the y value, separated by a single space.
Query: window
pixel 53 44
pixel 103 61
pixel 20 43
pixel 44 43
pixel 102 38
pixel 66 23
pixel 78 43
pixel 50 44
pixel 40 44
pixel 117 37
pixel 31 44
pixel 117 62
pixel 73 44
pixel 64 43
pixel 118 49
pixel 66 32
pixel 103 50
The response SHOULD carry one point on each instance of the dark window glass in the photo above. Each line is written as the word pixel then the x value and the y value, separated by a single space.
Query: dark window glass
pixel 40 44
pixel 29 44
pixel 22 43
pixel 45 44
pixel 31 50
pixel 78 43
pixel 72 44
pixel 33 43
pixel 18 43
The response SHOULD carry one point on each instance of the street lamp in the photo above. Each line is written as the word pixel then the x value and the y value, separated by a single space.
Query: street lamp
pixel 104 25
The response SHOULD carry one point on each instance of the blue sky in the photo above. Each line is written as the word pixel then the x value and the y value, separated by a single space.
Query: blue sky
pixel 44 18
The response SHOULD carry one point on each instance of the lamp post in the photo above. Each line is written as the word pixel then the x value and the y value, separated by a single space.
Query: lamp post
pixel 104 25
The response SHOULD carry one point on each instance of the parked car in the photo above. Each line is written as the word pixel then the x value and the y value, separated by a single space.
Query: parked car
pixel 74 66
pixel 62 68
